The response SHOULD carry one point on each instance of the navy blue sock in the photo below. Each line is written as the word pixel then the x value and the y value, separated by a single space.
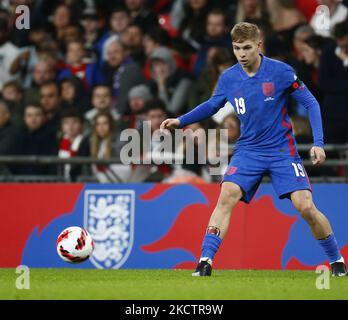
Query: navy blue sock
pixel 211 244
pixel 330 247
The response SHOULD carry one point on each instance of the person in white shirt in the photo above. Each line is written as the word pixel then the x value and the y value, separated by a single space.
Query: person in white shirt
pixel 323 22
pixel 8 53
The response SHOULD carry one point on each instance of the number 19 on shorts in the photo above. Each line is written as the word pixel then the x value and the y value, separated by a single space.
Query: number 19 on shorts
pixel 299 171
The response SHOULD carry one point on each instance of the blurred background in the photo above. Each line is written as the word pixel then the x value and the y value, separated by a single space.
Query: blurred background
pixel 87 69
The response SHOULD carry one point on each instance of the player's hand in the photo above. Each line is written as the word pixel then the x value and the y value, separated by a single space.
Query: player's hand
pixel 169 124
pixel 318 155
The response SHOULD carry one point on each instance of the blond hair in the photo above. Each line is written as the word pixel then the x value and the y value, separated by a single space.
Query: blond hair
pixel 244 31
pixel 96 141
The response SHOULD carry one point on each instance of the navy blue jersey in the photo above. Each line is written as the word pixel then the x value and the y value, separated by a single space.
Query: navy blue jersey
pixel 261 103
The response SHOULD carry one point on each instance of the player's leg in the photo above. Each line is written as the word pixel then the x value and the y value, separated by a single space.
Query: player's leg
pixel 218 224
pixel 319 224
pixel 229 196
pixel 240 182
pixel 290 180
pixel 321 229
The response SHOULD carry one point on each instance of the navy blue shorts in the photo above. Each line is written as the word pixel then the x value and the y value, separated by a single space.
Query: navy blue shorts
pixel 247 169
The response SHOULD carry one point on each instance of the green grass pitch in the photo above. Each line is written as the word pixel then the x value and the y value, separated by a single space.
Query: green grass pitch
pixel 169 284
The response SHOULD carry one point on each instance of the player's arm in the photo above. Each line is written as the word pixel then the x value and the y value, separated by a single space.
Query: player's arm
pixel 303 96
pixel 201 112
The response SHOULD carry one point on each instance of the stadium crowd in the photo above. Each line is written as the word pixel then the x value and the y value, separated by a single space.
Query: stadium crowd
pixel 87 69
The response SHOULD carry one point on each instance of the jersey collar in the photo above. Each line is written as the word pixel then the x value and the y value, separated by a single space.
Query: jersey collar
pixel 259 72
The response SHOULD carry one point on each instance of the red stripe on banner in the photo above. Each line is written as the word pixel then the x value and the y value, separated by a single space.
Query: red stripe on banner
pixel 29 206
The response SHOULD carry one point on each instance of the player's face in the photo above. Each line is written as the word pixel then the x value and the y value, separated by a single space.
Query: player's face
pixel 246 52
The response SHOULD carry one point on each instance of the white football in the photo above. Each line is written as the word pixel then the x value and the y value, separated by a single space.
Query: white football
pixel 74 245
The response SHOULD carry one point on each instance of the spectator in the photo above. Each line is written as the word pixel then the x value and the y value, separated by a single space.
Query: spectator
pixel 132 39
pixel 33 139
pixel 285 18
pixel 73 94
pixel 155 112
pixel 193 172
pixel 50 101
pixel 12 93
pixel 284 15
pixel 190 172
pixel 76 66
pixel 247 10
pixel 192 27
pixel 91 32
pixel 141 15
pixel 121 74
pixel 333 75
pixel 301 34
pixel 338 13
pixel 217 35
pixel 218 59
pixel 154 38
pixel 43 72
pixel 137 97
pixel 29 55
pixel 169 83
pixel 102 147
pixel 219 153
pixel 118 23
pixel 101 101
pixel 8 131
pixel 158 37
pixel 311 51
pixel 71 33
pixel 72 142
pixel 8 54
pixel 60 20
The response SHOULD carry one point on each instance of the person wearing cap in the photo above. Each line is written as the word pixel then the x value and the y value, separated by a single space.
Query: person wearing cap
pixel 137 98
pixel 91 26
pixel 169 83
